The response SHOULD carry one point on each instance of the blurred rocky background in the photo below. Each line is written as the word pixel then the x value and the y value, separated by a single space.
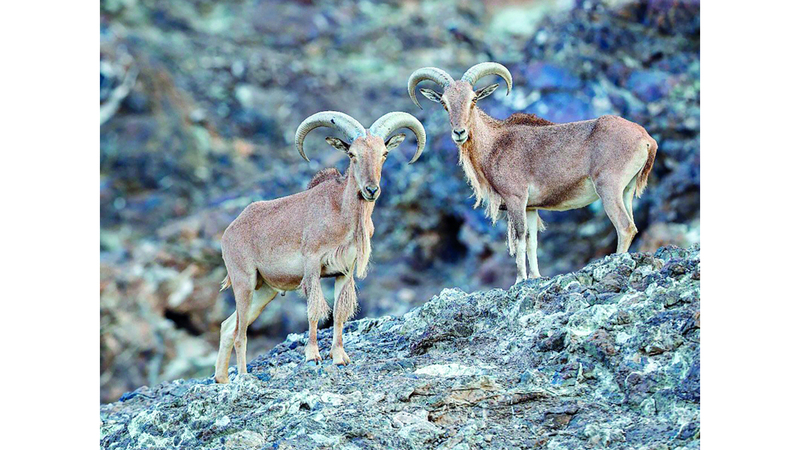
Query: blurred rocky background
pixel 199 102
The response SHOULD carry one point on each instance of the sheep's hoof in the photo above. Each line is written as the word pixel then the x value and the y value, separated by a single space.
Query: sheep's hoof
pixel 222 379
pixel 312 354
pixel 339 356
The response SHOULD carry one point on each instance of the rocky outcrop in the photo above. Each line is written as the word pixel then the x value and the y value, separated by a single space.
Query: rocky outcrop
pixel 605 357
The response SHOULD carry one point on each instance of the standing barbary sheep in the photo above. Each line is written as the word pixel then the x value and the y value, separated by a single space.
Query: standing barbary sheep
pixel 291 242
pixel 525 163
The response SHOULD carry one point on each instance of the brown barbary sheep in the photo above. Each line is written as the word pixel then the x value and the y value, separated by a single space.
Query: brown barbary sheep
pixel 525 163
pixel 291 242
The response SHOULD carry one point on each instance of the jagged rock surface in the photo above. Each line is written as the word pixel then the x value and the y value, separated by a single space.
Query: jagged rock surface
pixel 605 357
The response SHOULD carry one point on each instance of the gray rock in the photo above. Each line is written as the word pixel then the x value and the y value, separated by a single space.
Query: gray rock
pixel 536 365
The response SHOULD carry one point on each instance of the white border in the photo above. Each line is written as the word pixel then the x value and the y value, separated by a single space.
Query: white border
pixel 749 164
pixel 50 182
pixel 51 224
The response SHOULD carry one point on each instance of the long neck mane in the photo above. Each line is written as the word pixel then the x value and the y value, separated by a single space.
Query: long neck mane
pixel 361 211
pixel 471 155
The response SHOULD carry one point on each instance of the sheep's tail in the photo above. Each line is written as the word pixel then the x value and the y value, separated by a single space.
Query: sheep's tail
pixel 226 283
pixel 641 179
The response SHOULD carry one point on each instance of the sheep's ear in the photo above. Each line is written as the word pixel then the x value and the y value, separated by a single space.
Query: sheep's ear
pixel 338 144
pixel 431 95
pixel 394 141
pixel 485 92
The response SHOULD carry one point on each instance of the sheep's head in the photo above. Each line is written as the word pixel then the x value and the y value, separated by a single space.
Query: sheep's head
pixel 367 155
pixel 367 149
pixel 458 97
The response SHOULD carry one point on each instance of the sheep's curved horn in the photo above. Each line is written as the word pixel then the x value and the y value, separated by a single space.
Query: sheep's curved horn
pixel 331 119
pixel 391 122
pixel 434 74
pixel 480 70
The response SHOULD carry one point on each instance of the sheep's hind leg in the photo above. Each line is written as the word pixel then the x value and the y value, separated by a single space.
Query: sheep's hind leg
pixel 261 298
pixel 627 197
pixel 344 308
pixel 612 196
pixel 226 335
pixel 243 291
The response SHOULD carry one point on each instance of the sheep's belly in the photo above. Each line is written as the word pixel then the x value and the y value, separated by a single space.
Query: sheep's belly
pixel 575 196
pixel 283 274
pixel 286 273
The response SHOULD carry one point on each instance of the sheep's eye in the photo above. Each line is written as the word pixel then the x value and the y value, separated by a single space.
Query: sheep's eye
pixel 474 100
pixel 351 154
pixel 385 154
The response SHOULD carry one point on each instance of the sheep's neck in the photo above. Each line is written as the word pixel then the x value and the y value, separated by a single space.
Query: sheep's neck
pixel 473 151
pixel 481 136
pixel 472 155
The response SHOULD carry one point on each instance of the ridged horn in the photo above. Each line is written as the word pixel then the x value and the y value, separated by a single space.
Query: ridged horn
pixel 331 119
pixel 434 74
pixel 393 121
pixel 481 70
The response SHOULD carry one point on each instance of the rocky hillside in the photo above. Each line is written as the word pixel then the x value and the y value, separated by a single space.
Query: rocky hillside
pixel 605 357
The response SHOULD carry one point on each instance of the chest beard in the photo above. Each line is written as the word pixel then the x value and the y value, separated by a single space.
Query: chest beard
pixel 481 189
pixel 353 254
pixel 363 237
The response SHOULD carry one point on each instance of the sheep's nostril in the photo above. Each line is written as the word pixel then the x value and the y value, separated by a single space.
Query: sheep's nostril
pixel 371 189
pixel 460 132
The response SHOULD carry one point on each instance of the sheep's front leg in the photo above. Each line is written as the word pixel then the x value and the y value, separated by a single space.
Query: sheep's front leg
pixel 312 348
pixel 343 309
pixel 317 308
pixel 534 226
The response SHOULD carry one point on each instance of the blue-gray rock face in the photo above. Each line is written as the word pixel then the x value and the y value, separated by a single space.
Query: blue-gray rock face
pixel 605 357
